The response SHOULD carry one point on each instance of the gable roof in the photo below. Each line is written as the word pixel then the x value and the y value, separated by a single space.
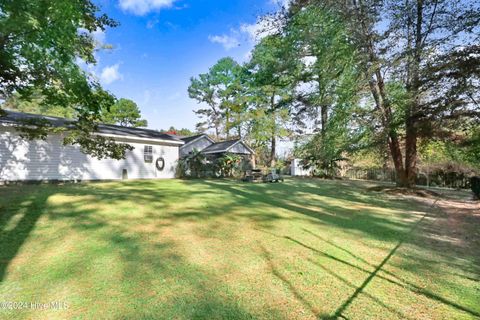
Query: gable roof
pixel 195 137
pixel 17 118
pixel 225 146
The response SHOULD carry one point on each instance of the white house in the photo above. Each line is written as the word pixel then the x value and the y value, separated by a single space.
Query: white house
pixel 154 155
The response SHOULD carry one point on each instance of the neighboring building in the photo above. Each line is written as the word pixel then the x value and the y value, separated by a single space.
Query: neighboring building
pixel 297 169
pixel 23 160
pixel 198 142
pixel 212 149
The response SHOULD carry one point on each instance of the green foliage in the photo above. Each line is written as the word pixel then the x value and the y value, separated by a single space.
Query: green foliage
pixel 265 122
pixel 95 145
pixel 194 165
pixel 475 184
pixel 228 164
pixel 436 151
pixel 326 57
pixel 221 90
pixel 383 76
pixel 34 103
pixel 125 113
pixel 40 46
pixel 470 147
pixel 270 94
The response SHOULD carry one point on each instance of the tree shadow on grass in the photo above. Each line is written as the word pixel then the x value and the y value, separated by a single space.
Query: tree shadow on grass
pixel 17 220
pixel 159 260
pixel 267 255
pixel 200 294
pixel 366 221
pixel 371 275
pixel 144 262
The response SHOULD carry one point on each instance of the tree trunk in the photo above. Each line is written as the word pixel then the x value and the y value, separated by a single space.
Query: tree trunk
pixel 217 132
pixel 378 93
pixel 413 88
pixel 410 154
pixel 377 88
pixel 227 124
pixel 397 158
pixel 216 123
pixel 273 150
pixel 324 119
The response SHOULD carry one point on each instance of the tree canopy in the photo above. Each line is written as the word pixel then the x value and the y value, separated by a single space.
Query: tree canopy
pixel 387 76
pixel 125 113
pixel 41 44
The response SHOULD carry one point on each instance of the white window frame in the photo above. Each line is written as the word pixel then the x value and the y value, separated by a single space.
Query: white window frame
pixel 148 154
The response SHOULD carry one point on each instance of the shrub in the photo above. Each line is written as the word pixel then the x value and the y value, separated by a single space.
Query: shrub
pixel 228 164
pixel 475 185
pixel 192 166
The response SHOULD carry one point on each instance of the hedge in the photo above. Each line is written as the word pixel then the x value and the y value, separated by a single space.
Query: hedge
pixel 475 185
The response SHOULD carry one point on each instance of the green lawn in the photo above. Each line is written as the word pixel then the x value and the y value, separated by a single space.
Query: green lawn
pixel 303 249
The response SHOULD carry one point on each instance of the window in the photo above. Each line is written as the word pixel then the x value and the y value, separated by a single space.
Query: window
pixel 148 154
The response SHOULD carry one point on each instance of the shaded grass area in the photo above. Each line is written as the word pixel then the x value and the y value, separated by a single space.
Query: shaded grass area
pixel 303 249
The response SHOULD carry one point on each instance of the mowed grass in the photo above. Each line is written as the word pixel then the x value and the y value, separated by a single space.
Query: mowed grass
pixel 303 249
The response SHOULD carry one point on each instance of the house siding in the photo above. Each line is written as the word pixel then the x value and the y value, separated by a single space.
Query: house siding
pixel 21 159
pixel 199 144
pixel 239 148
pixel 296 169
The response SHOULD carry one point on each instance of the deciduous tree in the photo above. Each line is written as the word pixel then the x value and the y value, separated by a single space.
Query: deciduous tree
pixel 124 112
pixel 41 43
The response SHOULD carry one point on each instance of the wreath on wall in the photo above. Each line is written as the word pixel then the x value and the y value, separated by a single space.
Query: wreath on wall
pixel 160 163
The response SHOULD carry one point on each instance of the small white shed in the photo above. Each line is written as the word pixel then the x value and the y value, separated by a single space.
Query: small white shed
pixel 297 169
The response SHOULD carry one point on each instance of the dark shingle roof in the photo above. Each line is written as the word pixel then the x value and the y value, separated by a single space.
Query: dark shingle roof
pixel 16 118
pixel 220 146
pixel 191 138
pixel 13 117
pixel 223 146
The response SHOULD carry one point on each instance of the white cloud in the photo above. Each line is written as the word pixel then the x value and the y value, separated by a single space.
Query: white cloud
pixel 281 3
pixel 228 42
pixel 142 7
pixel 251 33
pixel 110 74
pixel 99 36
pixel 260 29
pixel 251 30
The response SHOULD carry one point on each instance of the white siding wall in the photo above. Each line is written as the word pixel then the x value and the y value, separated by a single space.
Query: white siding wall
pixel 297 169
pixel 200 144
pixel 49 160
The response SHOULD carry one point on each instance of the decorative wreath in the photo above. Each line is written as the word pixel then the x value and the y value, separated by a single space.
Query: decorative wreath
pixel 160 163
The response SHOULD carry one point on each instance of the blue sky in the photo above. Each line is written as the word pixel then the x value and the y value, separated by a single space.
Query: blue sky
pixel 160 44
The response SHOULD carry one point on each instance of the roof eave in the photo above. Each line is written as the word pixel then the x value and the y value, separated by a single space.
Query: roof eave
pixel 117 136
pixel 198 138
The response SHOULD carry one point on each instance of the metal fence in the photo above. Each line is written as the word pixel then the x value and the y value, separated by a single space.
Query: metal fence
pixel 435 178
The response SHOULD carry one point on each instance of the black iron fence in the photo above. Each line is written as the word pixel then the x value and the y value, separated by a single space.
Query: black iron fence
pixel 434 178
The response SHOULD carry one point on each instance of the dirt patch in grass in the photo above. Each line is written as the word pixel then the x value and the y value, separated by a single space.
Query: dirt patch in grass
pixel 424 193
pixel 460 223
